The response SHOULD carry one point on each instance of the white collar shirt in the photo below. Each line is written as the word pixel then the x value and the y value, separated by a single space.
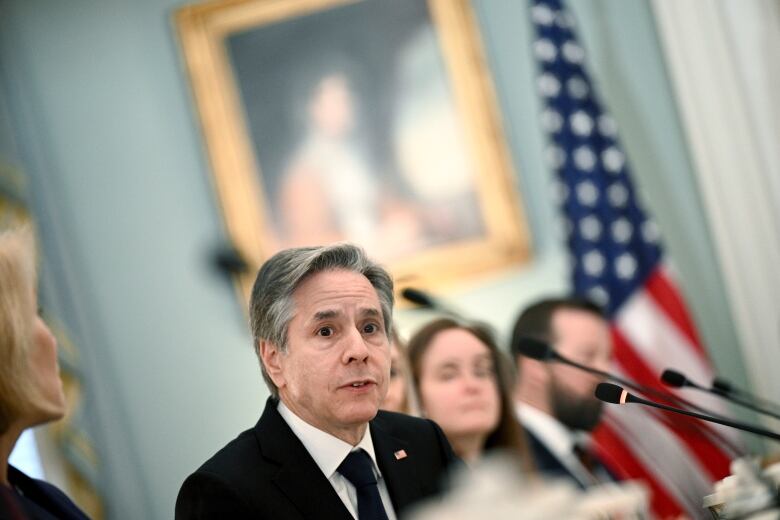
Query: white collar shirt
pixel 559 439
pixel 328 453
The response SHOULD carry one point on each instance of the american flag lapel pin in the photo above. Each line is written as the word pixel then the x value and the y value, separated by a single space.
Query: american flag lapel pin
pixel 400 454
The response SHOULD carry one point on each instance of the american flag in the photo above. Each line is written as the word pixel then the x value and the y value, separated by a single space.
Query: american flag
pixel 618 261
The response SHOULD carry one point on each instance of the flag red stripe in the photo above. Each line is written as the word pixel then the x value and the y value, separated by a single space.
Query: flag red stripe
pixel 710 456
pixel 619 458
pixel 668 299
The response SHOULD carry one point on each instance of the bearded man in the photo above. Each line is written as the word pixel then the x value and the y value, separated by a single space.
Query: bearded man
pixel 555 402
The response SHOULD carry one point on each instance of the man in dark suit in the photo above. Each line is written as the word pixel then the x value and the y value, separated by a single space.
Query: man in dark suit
pixel 321 317
pixel 555 402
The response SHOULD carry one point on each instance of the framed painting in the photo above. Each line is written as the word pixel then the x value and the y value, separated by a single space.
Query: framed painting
pixel 373 122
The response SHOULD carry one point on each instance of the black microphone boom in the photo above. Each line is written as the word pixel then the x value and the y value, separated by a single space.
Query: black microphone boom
pixel 678 380
pixel 674 378
pixel 426 301
pixel 614 394
pixel 418 297
pixel 535 349
pixel 723 386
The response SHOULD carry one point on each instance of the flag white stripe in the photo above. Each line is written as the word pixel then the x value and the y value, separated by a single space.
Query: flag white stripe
pixel 663 455
pixel 657 340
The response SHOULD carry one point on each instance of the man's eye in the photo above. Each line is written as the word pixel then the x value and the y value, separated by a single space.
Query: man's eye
pixel 370 328
pixel 325 332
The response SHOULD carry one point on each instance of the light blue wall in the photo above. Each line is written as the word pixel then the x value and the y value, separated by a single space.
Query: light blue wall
pixel 103 125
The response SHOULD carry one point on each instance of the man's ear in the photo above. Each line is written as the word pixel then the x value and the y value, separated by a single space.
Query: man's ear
pixel 273 362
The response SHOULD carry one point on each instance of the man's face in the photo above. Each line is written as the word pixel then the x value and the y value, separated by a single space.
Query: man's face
pixel 337 366
pixel 582 337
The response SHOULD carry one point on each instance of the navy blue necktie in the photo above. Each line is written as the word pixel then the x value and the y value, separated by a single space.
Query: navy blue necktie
pixel 358 468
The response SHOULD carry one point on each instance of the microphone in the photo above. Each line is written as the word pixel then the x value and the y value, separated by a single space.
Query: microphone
pixel 723 386
pixel 678 380
pixel 426 301
pixel 418 297
pixel 229 261
pixel 614 394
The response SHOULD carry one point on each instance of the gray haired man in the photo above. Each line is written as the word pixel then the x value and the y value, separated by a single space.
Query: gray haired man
pixel 321 318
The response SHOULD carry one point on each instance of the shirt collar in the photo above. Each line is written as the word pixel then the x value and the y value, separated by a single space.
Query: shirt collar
pixel 559 439
pixel 327 451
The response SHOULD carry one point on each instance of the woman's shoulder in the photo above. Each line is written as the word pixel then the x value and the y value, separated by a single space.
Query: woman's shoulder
pixel 44 495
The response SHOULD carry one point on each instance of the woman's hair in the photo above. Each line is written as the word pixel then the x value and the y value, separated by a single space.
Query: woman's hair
pixel 508 434
pixel 409 404
pixel 17 312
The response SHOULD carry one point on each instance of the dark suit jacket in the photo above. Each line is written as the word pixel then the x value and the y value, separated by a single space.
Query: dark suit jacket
pixel 40 500
pixel 548 463
pixel 551 466
pixel 266 472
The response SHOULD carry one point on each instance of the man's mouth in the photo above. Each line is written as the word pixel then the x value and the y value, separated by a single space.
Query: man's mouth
pixel 360 384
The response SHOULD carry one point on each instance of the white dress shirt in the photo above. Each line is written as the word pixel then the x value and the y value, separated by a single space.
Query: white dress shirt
pixel 559 439
pixel 329 452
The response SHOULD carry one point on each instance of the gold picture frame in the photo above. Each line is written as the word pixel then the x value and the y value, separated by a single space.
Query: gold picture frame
pixel 369 121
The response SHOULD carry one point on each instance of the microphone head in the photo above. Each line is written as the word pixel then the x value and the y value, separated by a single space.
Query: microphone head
pixel 674 378
pixel 535 349
pixel 721 385
pixel 610 393
pixel 418 297
pixel 228 260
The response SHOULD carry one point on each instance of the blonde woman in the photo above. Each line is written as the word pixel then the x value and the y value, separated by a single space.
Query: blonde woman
pixel 30 387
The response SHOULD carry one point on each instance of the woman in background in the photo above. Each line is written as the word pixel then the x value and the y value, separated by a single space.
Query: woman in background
pixel 462 384
pixel 31 391
pixel 399 396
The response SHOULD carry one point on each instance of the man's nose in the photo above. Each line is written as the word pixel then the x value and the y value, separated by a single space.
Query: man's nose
pixel 355 348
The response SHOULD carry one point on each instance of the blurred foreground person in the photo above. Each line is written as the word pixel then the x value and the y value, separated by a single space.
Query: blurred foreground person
pixel 321 319
pixel 555 401
pixel 399 396
pixel 462 385
pixel 495 489
pixel 31 391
